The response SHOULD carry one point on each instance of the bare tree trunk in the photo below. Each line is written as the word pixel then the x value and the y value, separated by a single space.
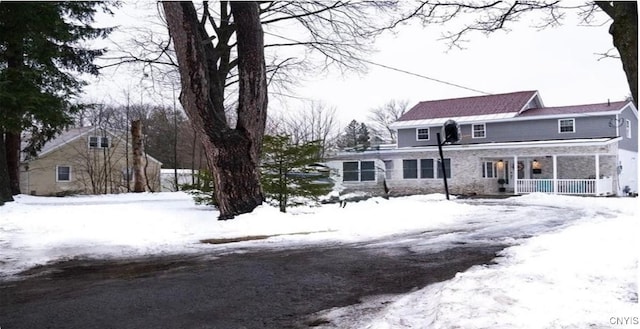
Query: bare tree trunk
pixel 126 149
pixel 12 147
pixel 233 154
pixel 624 31
pixel 105 165
pixel 193 157
pixel 5 187
pixel 138 168
pixel 175 142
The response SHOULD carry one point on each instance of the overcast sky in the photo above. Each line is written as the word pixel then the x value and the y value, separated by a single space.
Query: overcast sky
pixel 562 63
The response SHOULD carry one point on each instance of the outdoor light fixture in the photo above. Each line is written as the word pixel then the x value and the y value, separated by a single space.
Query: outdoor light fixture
pixel 536 165
pixel 500 164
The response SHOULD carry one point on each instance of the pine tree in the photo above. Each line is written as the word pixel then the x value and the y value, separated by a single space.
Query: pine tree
pixel 363 136
pixel 290 176
pixel 356 136
pixel 40 49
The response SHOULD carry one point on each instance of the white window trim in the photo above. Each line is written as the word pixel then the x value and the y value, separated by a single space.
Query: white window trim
pixel 58 176
pixel 628 127
pixel 494 170
pixel 484 130
pixel 98 142
pixel 573 121
pixel 419 169
pixel 108 141
pixel 375 176
pixel 423 139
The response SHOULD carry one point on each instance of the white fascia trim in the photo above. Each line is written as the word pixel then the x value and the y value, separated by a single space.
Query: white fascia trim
pixel 524 108
pixel 460 120
pixel 491 146
pixel 510 117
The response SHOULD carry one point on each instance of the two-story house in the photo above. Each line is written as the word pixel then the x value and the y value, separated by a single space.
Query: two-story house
pixel 509 142
pixel 86 160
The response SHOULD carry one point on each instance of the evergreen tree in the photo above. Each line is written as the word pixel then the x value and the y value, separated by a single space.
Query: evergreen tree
pixel 290 176
pixel 41 46
pixel 349 138
pixel 356 136
pixel 363 136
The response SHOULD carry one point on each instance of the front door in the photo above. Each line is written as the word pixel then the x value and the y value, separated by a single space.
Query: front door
pixel 521 170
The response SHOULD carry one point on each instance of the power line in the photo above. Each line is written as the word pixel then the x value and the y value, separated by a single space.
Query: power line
pixel 426 77
pixel 399 70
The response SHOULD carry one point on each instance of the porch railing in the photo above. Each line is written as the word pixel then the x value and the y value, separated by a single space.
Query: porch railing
pixel 601 186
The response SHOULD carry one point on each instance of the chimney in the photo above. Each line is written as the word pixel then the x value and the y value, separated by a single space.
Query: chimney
pixel 608 102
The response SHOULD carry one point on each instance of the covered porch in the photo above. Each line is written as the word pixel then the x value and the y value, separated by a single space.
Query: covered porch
pixel 557 174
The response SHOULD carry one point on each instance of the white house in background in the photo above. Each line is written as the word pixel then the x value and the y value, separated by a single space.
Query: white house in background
pixel 168 178
pixel 582 150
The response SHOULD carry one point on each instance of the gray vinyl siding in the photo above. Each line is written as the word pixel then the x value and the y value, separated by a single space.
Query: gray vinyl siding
pixel 629 144
pixel 524 130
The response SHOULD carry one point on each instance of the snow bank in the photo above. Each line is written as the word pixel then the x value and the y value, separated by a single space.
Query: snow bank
pixel 36 230
pixel 583 276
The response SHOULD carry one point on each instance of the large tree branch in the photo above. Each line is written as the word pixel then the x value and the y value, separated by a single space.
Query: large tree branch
pixel 607 7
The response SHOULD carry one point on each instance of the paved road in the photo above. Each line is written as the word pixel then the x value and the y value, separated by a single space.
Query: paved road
pixel 259 289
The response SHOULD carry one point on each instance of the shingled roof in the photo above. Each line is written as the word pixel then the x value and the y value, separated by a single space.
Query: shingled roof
pixel 576 109
pixel 470 106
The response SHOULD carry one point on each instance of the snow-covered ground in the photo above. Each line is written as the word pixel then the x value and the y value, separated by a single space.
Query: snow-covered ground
pixel 579 270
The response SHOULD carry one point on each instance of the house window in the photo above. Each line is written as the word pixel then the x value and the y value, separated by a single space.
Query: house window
pixel 104 142
pixel 422 134
pixel 367 171
pixel 447 168
pixel 478 130
pixel 388 169
pixel 93 141
pixel 98 142
pixel 355 171
pixel 489 170
pixel 63 174
pixel 566 125
pixel 423 168
pixel 127 174
pixel 409 169
pixel 627 127
pixel 426 168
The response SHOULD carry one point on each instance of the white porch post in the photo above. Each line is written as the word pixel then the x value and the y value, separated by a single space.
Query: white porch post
pixel 515 174
pixel 555 174
pixel 597 174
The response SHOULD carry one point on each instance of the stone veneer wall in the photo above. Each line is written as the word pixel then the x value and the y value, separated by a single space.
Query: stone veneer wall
pixel 466 165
